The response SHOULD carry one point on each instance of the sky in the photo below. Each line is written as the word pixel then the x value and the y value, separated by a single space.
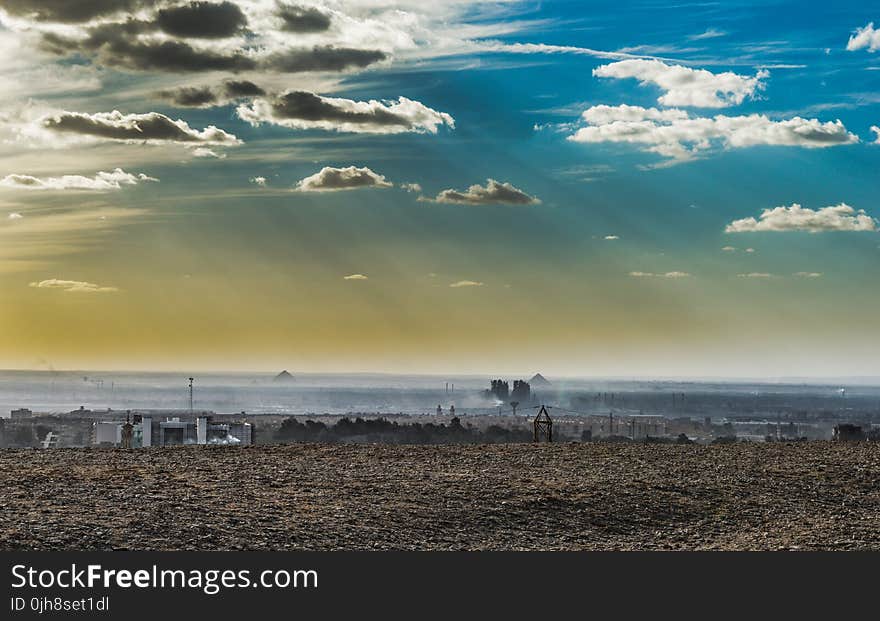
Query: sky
pixel 637 189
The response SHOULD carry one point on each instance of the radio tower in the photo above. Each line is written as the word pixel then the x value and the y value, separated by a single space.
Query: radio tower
pixel 190 395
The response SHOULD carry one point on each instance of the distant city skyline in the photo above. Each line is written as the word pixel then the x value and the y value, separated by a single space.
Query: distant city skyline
pixel 580 189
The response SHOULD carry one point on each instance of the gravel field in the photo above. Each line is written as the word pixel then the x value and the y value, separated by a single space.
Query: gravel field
pixel 816 495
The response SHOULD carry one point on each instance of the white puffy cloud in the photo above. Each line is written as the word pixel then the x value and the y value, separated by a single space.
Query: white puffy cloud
pixel 729 249
pixel 466 283
pixel 260 181
pixel 808 274
pixel 330 179
pixel 866 38
pixel 492 193
pixel 684 86
pixel 876 130
pixel 355 277
pixel 756 275
pixel 612 237
pixel 73 286
pixel 411 187
pixel 840 217
pixel 677 135
pixel 604 114
pixel 15 216
pixel 101 182
pixel 305 110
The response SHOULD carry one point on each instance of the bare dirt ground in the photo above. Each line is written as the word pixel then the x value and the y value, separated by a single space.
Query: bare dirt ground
pixel 815 495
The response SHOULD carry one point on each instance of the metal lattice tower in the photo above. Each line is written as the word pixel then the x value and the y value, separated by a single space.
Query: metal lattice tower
pixel 543 426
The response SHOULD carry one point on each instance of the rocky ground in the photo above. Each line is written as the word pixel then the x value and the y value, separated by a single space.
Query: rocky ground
pixel 548 497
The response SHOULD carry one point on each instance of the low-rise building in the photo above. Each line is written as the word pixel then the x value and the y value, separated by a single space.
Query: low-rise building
pixel 147 431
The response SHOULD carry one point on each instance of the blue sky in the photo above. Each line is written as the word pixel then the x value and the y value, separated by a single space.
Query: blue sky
pixel 678 190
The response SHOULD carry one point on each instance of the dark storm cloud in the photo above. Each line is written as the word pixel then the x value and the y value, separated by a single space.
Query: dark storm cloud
pixel 202 20
pixel 69 11
pixel 116 45
pixel 235 89
pixel 305 110
pixel 173 56
pixel 207 96
pixel 130 42
pixel 493 193
pixel 190 96
pixel 149 127
pixel 322 58
pixel 303 19
pixel 311 107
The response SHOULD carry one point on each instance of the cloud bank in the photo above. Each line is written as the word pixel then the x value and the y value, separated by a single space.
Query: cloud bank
pixel 305 110
pixel 677 135
pixel 840 217
pixel 330 179
pixel 200 36
pixel 209 96
pixel 493 193
pixel 865 38
pixel 101 182
pixel 684 86
pixel 302 19
pixel 149 128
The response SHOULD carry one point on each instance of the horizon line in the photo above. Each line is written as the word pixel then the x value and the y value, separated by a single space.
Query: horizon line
pixel 771 379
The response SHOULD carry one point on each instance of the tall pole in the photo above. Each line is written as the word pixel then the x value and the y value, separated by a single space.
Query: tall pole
pixel 190 395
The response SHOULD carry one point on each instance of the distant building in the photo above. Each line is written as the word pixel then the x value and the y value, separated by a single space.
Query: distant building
pixel 647 426
pixel 500 390
pixel 539 381
pixel 147 432
pixel 20 413
pixel 845 432
pixel 522 391
pixel 107 433
pixel 284 377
